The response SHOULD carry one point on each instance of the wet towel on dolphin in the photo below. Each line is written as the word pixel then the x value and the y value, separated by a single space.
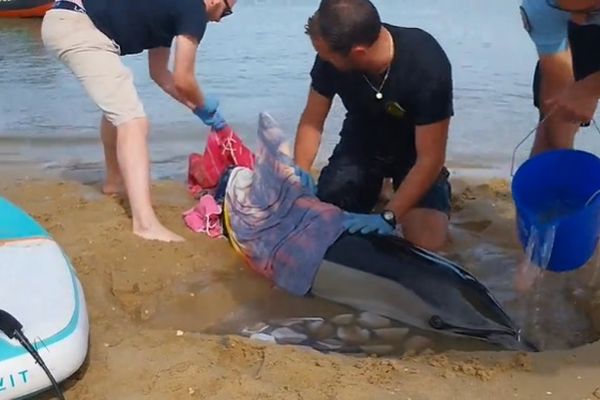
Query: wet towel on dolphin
pixel 282 230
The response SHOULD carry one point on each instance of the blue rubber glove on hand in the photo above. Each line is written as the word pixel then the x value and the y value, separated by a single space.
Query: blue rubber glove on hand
pixel 209 114
pixel 367 223
pixel 306 180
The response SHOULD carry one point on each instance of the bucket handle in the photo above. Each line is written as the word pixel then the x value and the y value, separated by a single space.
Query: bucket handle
pixel 512 165
pixel 592 198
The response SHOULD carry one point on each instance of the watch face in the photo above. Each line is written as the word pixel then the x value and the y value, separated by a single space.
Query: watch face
pixel 388 215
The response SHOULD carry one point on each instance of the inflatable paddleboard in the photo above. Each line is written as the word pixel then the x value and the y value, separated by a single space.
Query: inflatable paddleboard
pixel 40 288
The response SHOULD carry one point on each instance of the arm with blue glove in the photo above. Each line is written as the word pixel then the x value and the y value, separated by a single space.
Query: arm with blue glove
pixel 306 180
pixel 308 136
pixel 382 224
pixel 209 114
pixel 182 83
pixel 158 60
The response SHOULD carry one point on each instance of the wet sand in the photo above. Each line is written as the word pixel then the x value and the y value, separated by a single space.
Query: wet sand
pixel 145 329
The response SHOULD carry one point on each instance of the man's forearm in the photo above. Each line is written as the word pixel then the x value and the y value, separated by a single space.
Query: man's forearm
pixel 187 88
pixel 182 87
pixel 416 184
pixel 306 147
pixel 168 86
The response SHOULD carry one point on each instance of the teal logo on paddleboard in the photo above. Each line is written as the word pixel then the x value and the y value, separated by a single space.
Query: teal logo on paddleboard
pixel 13 380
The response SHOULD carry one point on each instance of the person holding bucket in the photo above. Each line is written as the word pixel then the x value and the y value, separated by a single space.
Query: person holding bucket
pixel 558 214
pixel 566 83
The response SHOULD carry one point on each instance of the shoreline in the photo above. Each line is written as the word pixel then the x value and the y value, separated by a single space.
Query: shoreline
pixel 134 354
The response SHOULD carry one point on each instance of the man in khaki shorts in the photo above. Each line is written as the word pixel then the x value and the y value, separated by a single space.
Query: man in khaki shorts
pixel 90 36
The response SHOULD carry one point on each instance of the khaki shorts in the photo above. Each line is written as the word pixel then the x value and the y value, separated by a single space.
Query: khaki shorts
pixel 95 60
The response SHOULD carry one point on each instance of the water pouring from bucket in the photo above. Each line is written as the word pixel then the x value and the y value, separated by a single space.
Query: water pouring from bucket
pixel 557 200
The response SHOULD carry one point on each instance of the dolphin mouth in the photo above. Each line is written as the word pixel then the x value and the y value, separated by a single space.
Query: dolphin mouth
pixel 437 323
pixel 515 343
pixel 510 339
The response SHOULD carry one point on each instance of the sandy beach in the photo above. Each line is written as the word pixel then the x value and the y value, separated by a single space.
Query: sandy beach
pixel 147 339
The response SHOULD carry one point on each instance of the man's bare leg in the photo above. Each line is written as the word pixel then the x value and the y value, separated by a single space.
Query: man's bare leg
pixel 113 181
pixel 133 158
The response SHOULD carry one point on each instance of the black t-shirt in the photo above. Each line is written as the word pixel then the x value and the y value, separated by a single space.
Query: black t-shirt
pixel 419 81
pixel 138 25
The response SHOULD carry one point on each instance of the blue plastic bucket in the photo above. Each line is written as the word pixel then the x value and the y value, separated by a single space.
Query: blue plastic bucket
pixel 559 189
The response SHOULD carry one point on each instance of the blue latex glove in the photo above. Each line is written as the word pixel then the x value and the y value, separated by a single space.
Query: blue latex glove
pixel 306 180
pixel 366 223
pixel 209 114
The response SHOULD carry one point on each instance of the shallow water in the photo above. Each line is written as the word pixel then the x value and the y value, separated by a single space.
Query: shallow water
pixel 258 60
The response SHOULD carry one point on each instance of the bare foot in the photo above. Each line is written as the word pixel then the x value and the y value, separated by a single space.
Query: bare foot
pixel 158 232
pixel 113 188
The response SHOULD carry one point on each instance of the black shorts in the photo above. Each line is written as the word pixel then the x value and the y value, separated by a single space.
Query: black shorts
pixel 583 40
pixel 352 180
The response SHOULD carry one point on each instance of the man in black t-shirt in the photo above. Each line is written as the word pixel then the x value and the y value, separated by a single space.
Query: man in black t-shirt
pixel 90 36
pixel 396 85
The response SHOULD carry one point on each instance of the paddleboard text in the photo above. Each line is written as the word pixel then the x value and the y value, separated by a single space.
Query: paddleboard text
pixel 13 379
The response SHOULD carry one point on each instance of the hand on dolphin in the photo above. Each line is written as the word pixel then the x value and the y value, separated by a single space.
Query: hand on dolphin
pixel 306 179
pixel 367 223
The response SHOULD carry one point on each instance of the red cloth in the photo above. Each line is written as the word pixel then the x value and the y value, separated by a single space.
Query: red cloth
pixel 223 149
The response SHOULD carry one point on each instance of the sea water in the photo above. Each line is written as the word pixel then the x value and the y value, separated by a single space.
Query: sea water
pixel 537 256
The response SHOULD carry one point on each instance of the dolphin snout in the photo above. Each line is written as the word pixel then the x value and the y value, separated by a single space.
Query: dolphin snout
pixel 513 342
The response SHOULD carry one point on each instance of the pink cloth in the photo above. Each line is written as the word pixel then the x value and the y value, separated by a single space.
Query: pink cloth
pixel 223 149
pixel 205 217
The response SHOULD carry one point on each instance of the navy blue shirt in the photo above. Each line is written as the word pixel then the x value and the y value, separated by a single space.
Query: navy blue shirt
pixel 138 25
pixel 420 81
pixel 418 91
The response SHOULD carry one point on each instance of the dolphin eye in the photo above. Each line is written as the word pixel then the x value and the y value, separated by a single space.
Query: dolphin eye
pixel 436 322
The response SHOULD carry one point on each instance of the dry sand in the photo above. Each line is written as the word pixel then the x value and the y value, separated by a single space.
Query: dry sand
pixel 131 356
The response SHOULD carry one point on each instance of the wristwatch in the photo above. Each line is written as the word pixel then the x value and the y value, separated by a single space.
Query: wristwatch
pixel 389 217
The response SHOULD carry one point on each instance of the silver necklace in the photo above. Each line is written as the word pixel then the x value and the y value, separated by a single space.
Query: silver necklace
pixel 378 94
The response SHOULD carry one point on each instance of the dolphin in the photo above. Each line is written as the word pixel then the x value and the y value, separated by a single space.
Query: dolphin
pixel 390 276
